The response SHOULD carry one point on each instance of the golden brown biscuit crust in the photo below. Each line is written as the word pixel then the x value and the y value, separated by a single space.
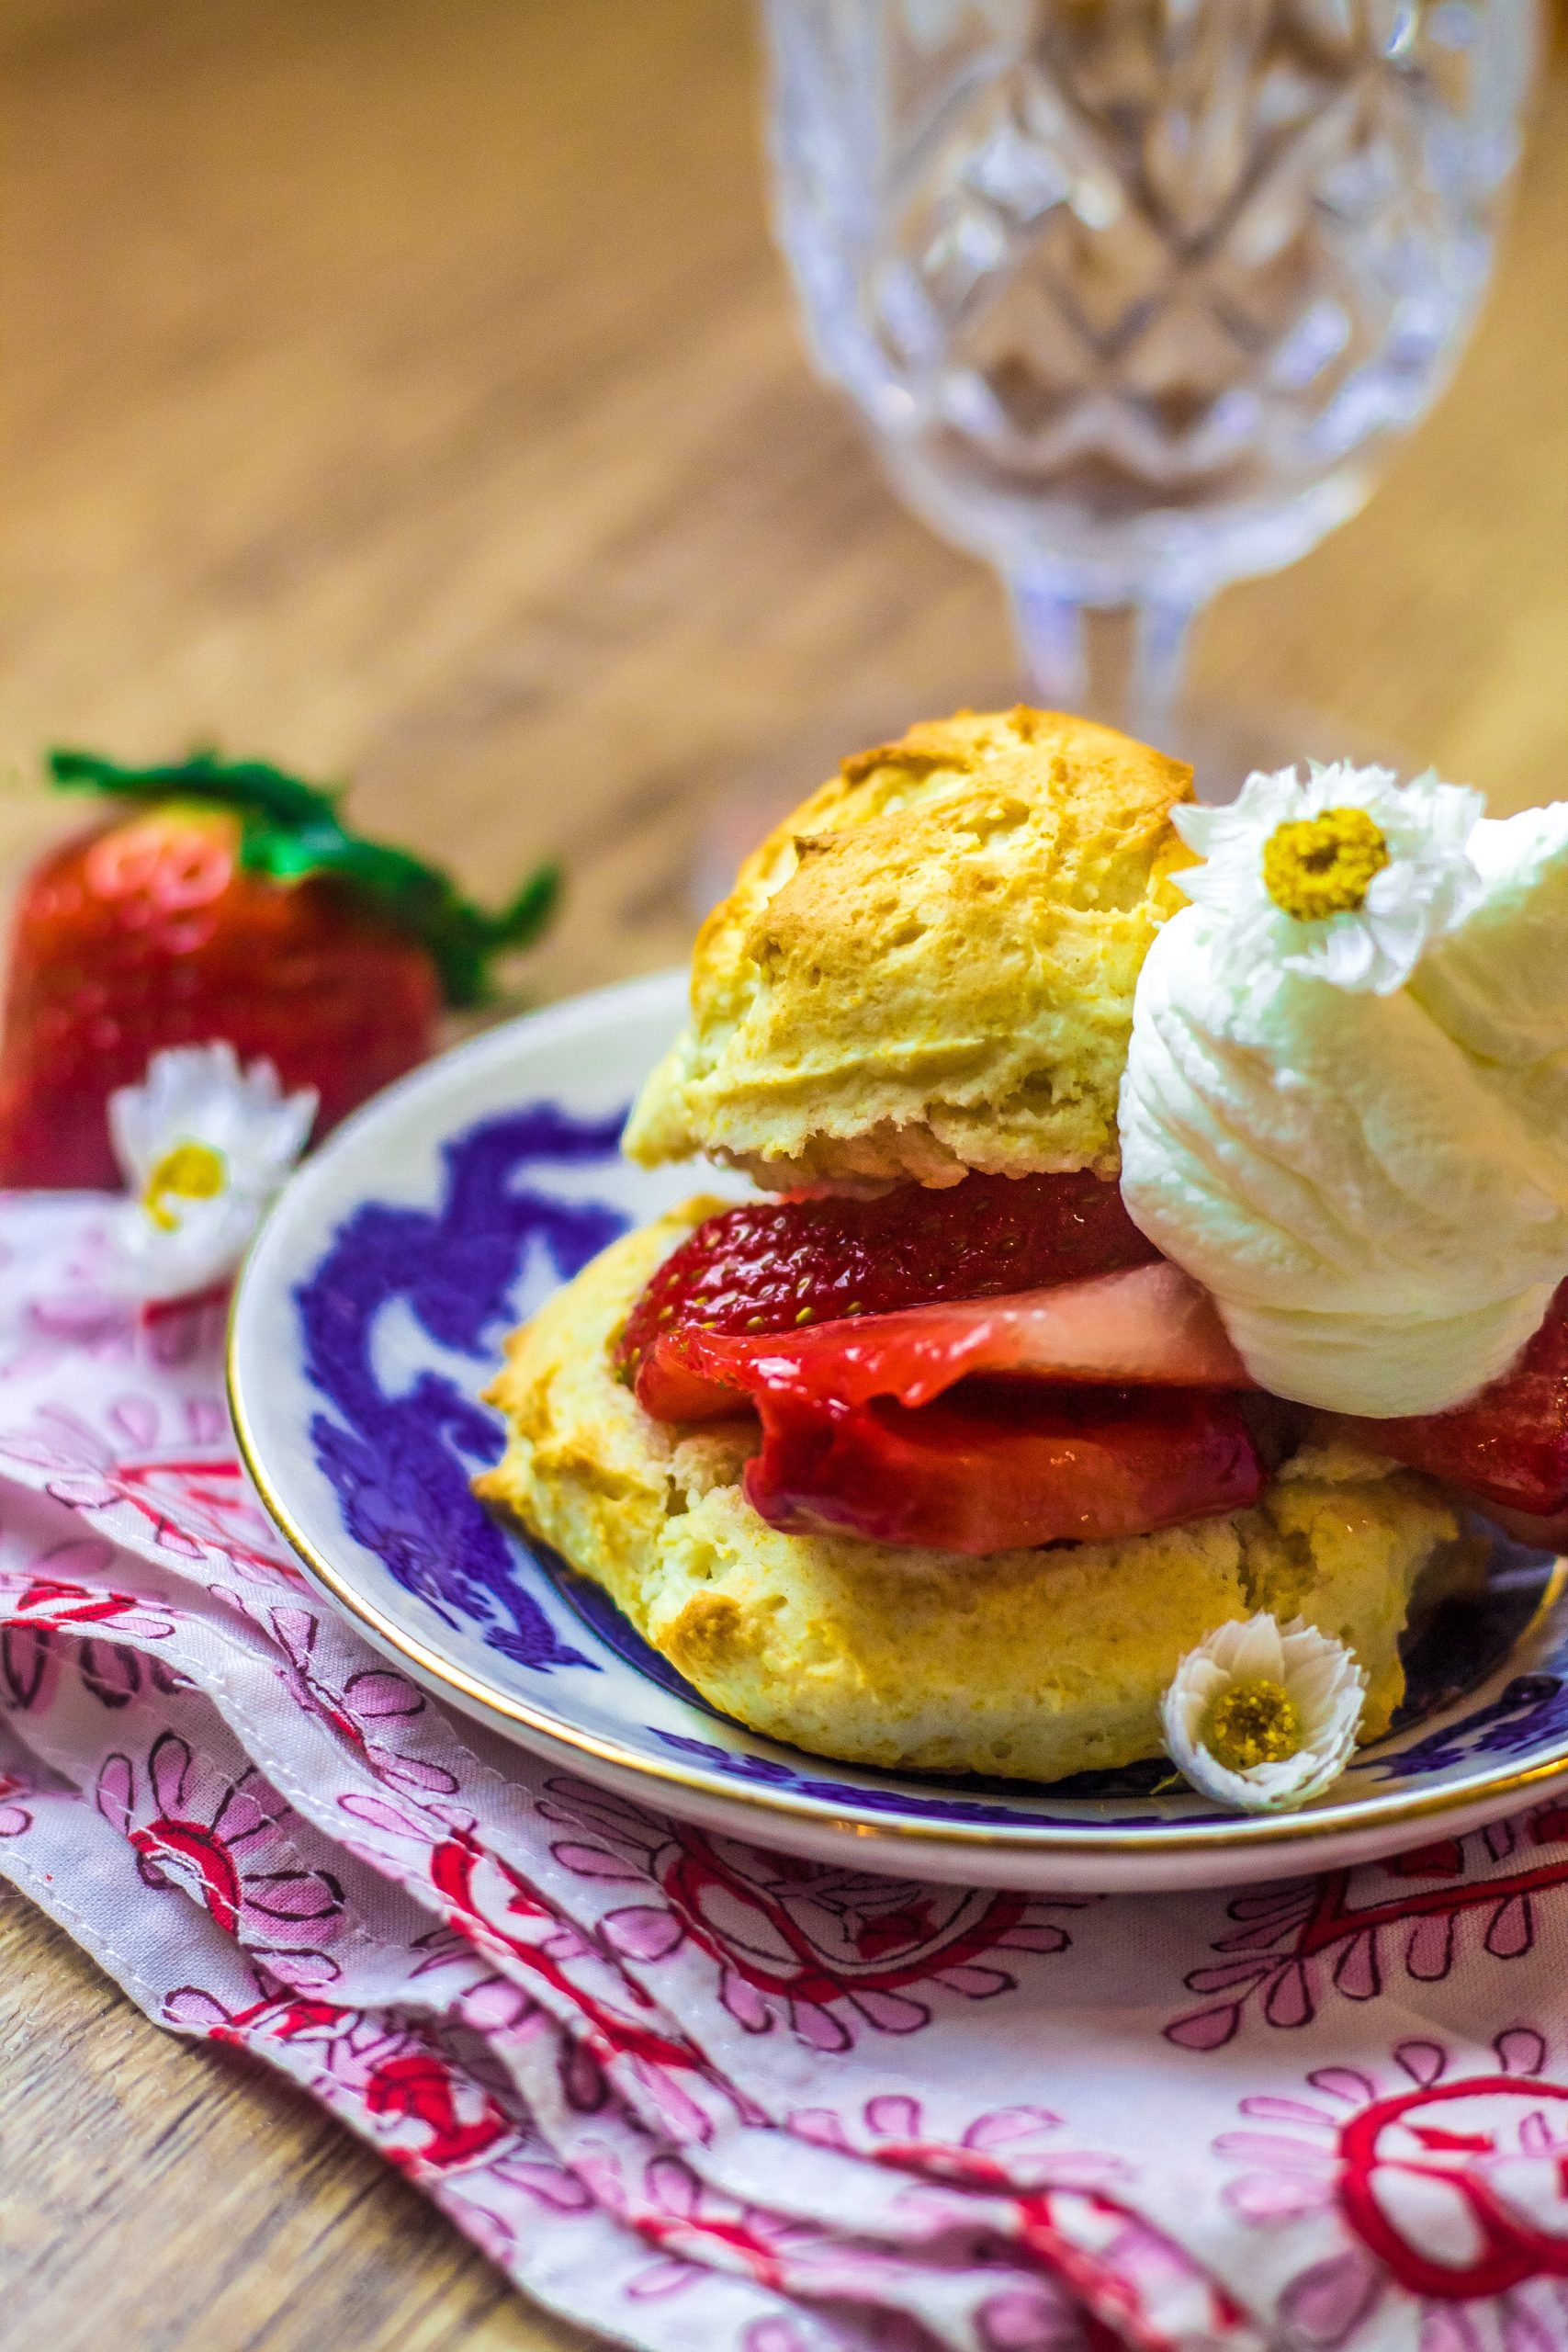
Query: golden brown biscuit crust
pixel 930 967
pixel 1030 1664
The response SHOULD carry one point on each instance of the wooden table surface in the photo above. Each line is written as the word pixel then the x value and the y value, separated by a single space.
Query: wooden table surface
pixel 408 392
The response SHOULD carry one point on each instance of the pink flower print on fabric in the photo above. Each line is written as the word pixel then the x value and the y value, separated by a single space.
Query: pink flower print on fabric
pixel 369 1707
pixel 224 1843
pixel 60 1298
pixel 1030 2319
pixel 52 1591
pixel 1292 1944
pixel 79 1464
pixel 28 1668
pixel 1056 2203
pixel 1452 2186
pixel 697 2228
pixel 431 2115
pixel 433 2101
pixel 774 2335
pixel 507 1916
pixel 815 1946
pixel 68 1589
pixel 1004 2151
pixel 673 2210
pixel 498 1913
pixel 171 1465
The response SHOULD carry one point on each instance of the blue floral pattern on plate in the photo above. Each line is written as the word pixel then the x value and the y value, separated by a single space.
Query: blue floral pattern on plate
pixel 401 1463
pixel 370 1319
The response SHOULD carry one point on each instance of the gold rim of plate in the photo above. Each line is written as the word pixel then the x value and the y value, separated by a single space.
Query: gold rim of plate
pixel 1285 1830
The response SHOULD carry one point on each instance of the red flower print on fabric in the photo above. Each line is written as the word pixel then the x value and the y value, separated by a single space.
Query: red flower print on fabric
pixel 369 1708
pixel 1346 1929
pixel 53 1594
pixel 430 2114
pixel 498 1911
pixel 1007 2149
pixel 819 1947
pixel 14 1818
pixel 418 2088
pixel 505 1915
pixel 223 1842
pixel 1450 2184
pixel 51 1599
pixel 189 1492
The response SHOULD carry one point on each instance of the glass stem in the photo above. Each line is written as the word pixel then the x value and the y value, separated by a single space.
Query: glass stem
pixel 1120 663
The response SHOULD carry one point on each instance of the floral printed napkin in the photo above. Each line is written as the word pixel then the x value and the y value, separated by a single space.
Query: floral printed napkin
pixel 694 2094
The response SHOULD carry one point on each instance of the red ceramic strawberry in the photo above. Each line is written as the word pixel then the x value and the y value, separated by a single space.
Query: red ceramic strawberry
pixel 227 901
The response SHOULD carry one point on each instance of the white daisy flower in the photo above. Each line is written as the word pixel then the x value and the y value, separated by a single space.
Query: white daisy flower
pixel 1262 1716
pixel 1349 875
pixel 204 1146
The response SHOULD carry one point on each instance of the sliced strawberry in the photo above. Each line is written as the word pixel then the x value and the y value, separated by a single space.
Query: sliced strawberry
pixel 896 1425
pixel 1509 1445
pixel 782 1264
pixel 1002 1466
pixel 668 1389
pixel 1151 1324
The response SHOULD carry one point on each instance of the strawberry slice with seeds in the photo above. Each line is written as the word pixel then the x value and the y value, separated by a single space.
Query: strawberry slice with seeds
pixel 970 1426
pixel 784 1265
pixel 921 1364
pixel 1150 1326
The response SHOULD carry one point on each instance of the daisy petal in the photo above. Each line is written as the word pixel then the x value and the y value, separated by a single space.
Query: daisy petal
pixel 1428 885
pixel 1310 1681
pixel 204 1146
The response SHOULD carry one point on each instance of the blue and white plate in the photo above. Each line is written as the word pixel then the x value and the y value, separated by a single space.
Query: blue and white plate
pixel 373 1309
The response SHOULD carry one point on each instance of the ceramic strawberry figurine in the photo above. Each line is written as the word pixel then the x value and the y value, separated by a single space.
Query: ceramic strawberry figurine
pixel 225 900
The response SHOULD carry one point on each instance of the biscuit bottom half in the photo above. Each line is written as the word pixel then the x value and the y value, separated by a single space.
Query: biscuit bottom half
pixel 1032 1665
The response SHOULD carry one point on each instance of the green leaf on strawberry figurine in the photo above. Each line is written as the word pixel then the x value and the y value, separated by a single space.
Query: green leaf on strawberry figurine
pixel 230 901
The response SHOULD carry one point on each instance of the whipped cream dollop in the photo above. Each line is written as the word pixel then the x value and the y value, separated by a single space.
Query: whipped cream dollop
pixel 1345 1104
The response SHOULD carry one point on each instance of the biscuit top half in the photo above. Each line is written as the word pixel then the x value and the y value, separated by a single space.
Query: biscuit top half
pixel 930 967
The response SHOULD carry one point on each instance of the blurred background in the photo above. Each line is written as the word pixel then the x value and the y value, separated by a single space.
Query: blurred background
pixel 410 392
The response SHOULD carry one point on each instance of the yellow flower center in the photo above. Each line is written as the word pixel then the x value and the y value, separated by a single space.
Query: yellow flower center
pixel 187 1171
pixel 1252 1723
pixel 1317 866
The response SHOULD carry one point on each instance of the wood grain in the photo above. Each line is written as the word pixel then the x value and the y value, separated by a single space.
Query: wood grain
pixel 408 391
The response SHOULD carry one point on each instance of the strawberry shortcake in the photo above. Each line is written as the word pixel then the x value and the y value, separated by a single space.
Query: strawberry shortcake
pixel 1160 1225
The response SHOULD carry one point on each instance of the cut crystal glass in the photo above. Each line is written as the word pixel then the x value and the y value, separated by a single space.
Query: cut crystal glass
pixel 1137 294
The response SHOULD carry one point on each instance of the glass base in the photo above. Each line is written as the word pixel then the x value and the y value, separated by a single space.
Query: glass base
pixel 1226 743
